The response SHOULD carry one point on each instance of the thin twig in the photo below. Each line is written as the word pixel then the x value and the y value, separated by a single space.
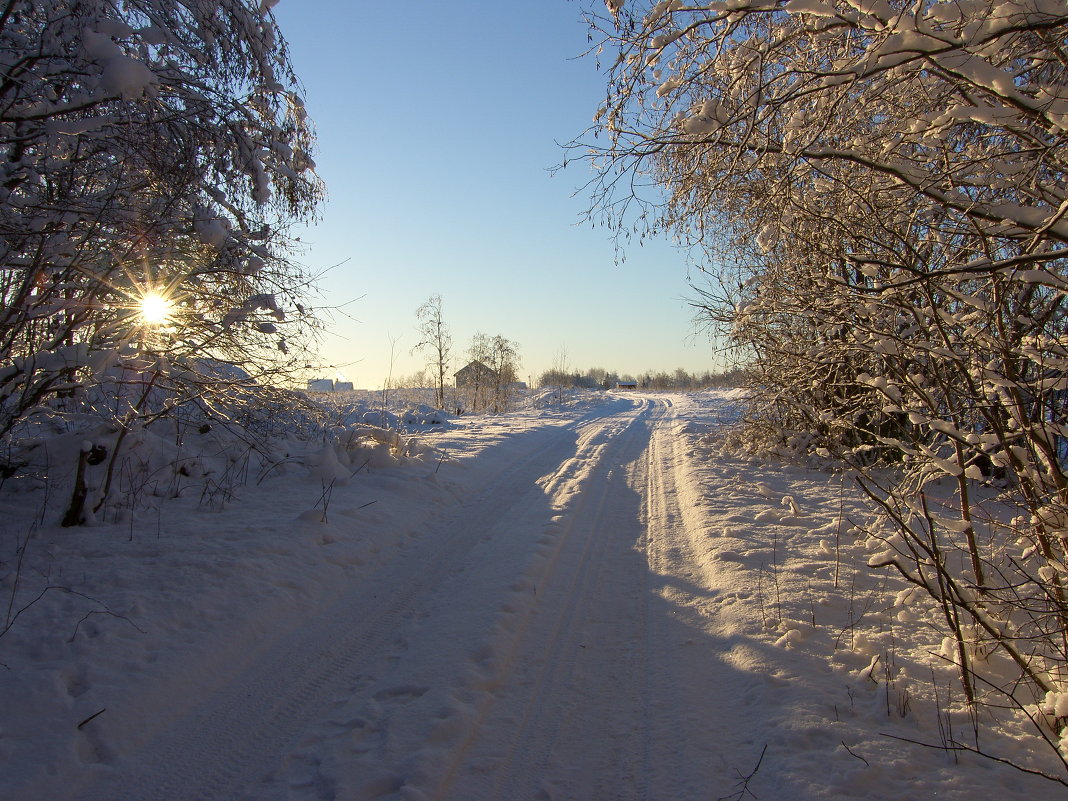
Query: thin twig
pixel 69 591
pixel 21 548
pixel 743 781
pixel 955 746
pixel 104 611
pixel 92 716
pixel 851 753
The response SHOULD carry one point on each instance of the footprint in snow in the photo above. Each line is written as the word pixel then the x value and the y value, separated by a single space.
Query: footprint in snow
pixel 404 692
pixel 728 556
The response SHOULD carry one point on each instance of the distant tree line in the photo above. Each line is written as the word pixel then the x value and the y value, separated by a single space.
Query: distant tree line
pixel 680 380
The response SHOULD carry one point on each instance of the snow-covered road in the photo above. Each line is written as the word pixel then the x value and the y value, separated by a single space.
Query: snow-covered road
pixel 531 646
pixel 588 603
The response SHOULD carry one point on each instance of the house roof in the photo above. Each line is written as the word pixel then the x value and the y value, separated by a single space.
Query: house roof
pixel 476 365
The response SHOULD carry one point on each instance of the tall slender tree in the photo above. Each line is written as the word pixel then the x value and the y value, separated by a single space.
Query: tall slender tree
pixel 435 341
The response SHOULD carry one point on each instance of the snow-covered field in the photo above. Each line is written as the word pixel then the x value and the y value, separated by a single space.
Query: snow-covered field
pixel 585 601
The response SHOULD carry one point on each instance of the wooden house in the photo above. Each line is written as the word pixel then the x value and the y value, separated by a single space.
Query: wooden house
pixel 475 374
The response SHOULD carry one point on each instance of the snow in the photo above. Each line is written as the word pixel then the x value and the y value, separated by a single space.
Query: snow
pixel 596 599
pixel 126 78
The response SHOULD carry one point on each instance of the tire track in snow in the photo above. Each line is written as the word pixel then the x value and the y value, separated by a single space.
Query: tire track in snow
pixel 618 690
pixel 236 737
pixel 559 664
pixel 662 756
pixel 417 749
pixel 701 704
pixel 537 731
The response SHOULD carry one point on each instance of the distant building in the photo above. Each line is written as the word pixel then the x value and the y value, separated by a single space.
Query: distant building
pixel 321 385
pixel 626 385
pixel 342 386
pixel 476 374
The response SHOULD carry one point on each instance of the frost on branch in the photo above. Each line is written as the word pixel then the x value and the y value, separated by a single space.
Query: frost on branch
pixel 882 194
pixel 148 148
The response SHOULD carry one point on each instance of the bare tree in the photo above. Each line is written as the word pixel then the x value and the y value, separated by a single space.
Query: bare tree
pixel 479 383
pixel 490 386
pixel 503 359
pixel 436 343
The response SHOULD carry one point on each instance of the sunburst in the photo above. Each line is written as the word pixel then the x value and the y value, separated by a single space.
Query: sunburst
pixel 151 303
pixel 154 308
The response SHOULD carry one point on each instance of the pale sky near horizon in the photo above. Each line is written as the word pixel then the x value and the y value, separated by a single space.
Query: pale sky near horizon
pixel 437 126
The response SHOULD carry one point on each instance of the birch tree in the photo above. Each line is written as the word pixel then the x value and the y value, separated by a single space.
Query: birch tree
pixel 435 340
pixel 492 389
pixel 503 359
pixel 478 390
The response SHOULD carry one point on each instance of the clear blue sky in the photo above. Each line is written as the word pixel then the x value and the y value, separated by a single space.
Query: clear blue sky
pixel 438 124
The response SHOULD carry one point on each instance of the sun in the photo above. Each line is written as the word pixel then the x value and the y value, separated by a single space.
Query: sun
pixel 155 309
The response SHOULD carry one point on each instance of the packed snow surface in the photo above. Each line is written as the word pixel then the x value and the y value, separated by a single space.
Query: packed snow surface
pixel 585 601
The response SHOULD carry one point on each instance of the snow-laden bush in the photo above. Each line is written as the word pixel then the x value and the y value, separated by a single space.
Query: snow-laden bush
pixel 155 154
pixel 423 415
pixel 86 466
pixel 881 190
